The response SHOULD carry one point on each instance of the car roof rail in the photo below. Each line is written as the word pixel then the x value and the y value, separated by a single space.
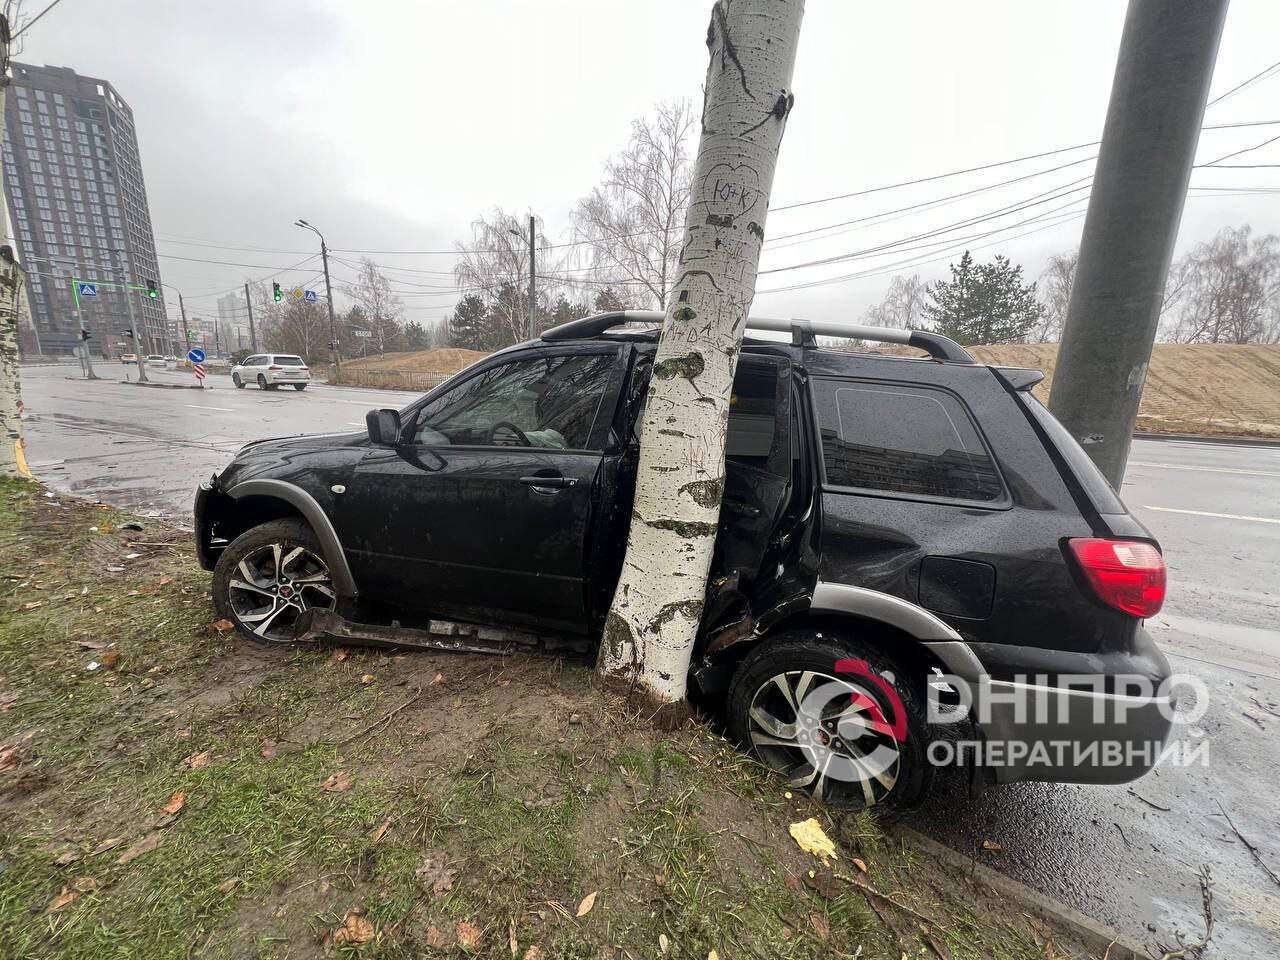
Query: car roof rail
pixel 803 332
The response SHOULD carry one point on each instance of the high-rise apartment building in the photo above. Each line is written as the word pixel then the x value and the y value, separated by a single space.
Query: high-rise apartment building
pixel 78 207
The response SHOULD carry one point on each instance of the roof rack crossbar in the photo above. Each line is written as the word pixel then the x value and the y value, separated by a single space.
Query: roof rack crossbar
pixel 803 332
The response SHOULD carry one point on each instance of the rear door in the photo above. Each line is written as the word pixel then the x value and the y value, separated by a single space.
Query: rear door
pixel 484 512
pixel 935 490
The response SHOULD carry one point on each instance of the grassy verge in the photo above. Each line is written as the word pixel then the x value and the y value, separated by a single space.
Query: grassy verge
pixel 167 791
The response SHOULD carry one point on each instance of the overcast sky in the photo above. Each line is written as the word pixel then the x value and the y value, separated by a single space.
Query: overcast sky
pixel 392 125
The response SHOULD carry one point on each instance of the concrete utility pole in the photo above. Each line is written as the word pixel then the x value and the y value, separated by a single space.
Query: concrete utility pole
pixel 1149 143
pixel 334 356
pixel 253 337
pixel 186 331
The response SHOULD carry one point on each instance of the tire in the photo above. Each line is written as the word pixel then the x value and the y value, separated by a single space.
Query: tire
pixel 299 387
pixel 840 762
pixel 264 605
pixel 235 378
pixel 262 382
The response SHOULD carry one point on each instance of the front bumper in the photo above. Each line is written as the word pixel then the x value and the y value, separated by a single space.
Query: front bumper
pixel 1052 729
pixel 203 492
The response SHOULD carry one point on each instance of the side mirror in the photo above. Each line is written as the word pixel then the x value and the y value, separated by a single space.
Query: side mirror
pixel 383 426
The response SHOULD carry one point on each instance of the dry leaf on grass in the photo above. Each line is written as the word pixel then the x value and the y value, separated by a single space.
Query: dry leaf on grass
pixel 435 876
pixel 381 831
pixel 437 939
pixel 468 936
pixel 61 900
pixel 511 937
pixel 340 654
pixel 367 678
pixel 221 626
pixel 437 679
pixel 268 749
pixel 808 834
pixel 145 845
pixel 175 804
pixel 587 903
pixel 859 864
pixel 198 760
pixel 106 845
pixel 68 858
pixel 355 929
pixel 663 944
pixel 534 953
pixel 111 659
pixel 226 886
pixel 991 845
pixel 17 751
pixel 165 581
pixel 821 926
pixel 339 782
pixel 34 604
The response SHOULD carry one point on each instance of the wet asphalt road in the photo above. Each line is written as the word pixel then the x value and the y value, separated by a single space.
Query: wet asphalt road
pixel 1127 856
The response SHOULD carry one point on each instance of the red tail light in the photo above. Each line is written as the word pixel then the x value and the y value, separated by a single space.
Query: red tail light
pixel 1126 574
pixel 275 366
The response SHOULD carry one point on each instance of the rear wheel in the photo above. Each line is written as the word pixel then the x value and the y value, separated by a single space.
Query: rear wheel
pixel 834 717
pixel 299 387
pixel 262 382
pixel 268 576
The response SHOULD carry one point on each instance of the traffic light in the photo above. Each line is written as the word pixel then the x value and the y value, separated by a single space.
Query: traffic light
pixel 152 292
pixel 275 292
pixel 85 334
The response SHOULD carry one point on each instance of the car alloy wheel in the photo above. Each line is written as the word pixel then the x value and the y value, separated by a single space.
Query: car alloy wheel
pixel 235 378
pixel 272 587
pixel 262 382
pixel 825 734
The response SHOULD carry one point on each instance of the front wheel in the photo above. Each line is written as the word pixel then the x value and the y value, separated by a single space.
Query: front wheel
pixel 235 378
pixel 834 717
pixel 268 577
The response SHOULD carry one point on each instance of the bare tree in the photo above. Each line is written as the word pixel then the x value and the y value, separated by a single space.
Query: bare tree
pixel 12 286
pixel 1055 287
pixel 1225 290
pixel 382 308
pixel 495 267
pixel 632 223
pixel 902 306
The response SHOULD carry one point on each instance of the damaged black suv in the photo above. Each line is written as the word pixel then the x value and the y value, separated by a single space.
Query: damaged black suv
pixel 894 529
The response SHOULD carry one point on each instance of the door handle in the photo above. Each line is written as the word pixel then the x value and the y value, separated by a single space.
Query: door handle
pixel 549 481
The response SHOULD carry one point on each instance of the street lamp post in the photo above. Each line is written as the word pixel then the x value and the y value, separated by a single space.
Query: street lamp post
pixel 334 357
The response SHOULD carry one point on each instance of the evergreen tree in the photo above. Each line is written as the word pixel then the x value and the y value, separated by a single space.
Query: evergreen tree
pixel 983 303
pixel 609 299
pixel 468 327
pixel 416 336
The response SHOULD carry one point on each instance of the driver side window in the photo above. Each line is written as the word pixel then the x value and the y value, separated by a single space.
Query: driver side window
pixel 548 402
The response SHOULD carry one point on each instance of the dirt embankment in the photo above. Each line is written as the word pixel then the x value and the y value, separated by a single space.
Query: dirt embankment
pixel 416 370
pixel 1204 388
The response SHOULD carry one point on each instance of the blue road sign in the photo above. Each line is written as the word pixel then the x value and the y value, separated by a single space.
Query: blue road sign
pixel 195 355
pixel 88 289
pixel 311 296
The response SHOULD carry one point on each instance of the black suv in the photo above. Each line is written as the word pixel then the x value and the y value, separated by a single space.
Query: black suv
pixel 907 532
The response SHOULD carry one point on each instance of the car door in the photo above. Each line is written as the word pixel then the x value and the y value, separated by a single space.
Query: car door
pixel 484 510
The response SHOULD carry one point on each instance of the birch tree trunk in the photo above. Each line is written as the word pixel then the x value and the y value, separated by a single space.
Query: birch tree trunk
pixel 11 294
pixel 657 607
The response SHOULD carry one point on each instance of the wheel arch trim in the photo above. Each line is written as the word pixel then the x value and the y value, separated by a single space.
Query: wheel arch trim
pixel 314 514
pixel 938 637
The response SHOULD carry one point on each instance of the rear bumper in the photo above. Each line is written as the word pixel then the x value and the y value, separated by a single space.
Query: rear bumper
pixel 282 378
pixel 1085 728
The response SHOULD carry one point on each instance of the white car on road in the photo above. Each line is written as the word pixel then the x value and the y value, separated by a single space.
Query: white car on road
pixel 271 370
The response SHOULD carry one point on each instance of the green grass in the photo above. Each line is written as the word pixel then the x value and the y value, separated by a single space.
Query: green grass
pixel 484 775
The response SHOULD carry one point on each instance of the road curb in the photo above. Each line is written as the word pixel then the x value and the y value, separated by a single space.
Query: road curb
pixel 1210 438
pixel 162 386
pixel 1097 937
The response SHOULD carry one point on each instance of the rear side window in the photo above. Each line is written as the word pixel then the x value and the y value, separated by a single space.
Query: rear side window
pixel 1087 474
pixel 288 361
pixel 899 439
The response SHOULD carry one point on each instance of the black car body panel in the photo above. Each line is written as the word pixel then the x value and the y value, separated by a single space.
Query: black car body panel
pixel 928 502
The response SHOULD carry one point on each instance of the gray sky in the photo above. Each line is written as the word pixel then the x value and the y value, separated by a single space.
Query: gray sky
pixel 392 125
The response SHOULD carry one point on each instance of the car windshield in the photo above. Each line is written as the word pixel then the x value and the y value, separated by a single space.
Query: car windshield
pixel 290 361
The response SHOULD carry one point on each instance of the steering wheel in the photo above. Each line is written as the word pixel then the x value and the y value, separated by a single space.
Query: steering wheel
pixel 521 439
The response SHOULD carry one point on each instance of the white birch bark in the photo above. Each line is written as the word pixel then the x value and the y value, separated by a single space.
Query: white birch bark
pixel 657 607
pixel 11 294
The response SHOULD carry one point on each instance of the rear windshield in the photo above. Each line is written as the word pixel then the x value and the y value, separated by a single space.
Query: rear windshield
pixel 1086 472
pixel 290 361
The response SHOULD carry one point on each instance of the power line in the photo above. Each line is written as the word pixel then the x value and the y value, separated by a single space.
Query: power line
pixel 1261 74
pixel 1228 156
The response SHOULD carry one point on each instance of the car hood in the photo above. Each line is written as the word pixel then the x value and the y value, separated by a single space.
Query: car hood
pixel 288 457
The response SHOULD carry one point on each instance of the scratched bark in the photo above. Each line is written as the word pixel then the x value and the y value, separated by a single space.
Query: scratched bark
pixel 11 289
pixel 653 621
